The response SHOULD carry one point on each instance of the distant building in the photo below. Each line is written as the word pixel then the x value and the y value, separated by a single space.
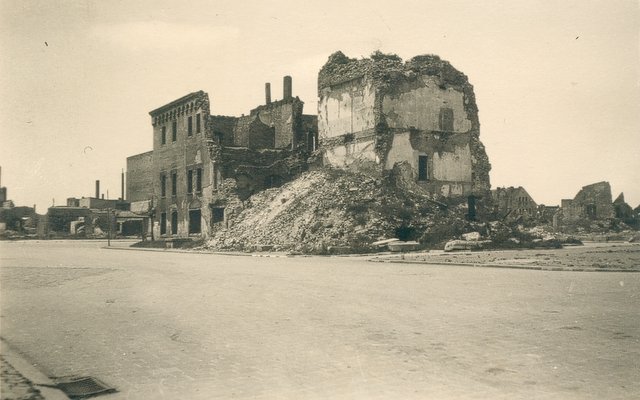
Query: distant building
pixel 513 202
pixel 20 220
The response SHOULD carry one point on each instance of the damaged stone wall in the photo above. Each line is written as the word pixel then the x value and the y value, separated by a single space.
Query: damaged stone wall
pixel 221 129
pixel 375 113
pixel 593 202
pixel 251 132
pixel 139 177
pixel 256 169
pixel 285 117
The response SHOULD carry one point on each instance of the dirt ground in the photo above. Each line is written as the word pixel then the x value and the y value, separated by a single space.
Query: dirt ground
pixel 592 256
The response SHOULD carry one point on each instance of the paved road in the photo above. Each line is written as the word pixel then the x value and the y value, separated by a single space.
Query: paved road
pixel 160 325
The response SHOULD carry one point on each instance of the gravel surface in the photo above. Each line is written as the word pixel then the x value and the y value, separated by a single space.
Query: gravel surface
pixel 592 256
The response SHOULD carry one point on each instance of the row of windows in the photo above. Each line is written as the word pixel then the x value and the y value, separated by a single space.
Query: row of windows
pixel 174 129
pixel 195 222
pixel 174 182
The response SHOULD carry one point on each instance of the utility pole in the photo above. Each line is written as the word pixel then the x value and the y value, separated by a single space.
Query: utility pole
pixel 109 230
pixel 152 212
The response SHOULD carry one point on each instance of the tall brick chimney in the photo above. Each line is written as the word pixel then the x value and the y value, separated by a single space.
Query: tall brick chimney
pixel 122 185
pixel 267 92
pixel 97 189
pixel 286 87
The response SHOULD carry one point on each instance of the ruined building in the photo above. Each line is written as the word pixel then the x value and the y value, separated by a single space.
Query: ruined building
pixel 513 202
pixel 593 202
pixel 194 152
pixel 417 118
pixel 378 113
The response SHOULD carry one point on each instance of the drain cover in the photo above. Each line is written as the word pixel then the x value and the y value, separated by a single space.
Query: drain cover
pixel 82 387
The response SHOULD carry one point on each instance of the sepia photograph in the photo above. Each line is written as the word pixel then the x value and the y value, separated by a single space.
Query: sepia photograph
pixel 275 199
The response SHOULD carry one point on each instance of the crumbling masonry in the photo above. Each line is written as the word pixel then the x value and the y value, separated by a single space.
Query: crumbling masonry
pixel 377 113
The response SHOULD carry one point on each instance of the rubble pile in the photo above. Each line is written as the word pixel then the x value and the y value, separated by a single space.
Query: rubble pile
pixel 330 211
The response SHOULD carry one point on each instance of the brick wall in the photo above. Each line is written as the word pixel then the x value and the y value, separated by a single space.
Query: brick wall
pixel 139 177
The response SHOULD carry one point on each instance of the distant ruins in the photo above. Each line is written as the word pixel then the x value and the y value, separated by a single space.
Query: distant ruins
pixel 593 202
pixel 513 203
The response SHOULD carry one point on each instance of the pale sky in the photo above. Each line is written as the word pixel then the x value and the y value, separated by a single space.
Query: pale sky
pixel 557 82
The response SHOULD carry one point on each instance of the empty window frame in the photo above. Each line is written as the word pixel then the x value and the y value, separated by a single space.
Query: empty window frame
pixel 163 223
pixel 174 222
pixel 445 120
pixel 195 217
pixel 190 181
pixel 190 125
pixel 174 183
pixel 199 180
pixel 423 168
pixel 217 214
pixel 174 131
pixel 163 135
pixel 198 123
pixel 163 185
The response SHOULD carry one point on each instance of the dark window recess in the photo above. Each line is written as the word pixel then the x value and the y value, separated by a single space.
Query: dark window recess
pixel 190 181
pixel 163 138
pixel 219 138
pixel 163 223
pixel 198 125
pixel 174 183
pixel 174 223
pixel 446 119
pixel 591 211
pixel 217 214
pixel 163 185
pixel 174 131
pixel 190 125
pixel 311 141
pixel 423 171
pixel 194 221
pixel 471 203
pixel 199 180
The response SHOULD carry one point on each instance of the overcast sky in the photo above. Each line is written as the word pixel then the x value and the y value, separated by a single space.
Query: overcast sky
pixel 557 82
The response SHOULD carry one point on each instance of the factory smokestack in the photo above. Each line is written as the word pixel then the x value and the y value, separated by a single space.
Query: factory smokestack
pixel 122 184
pixel 267 92
pixel 287 91
pixel 97 189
